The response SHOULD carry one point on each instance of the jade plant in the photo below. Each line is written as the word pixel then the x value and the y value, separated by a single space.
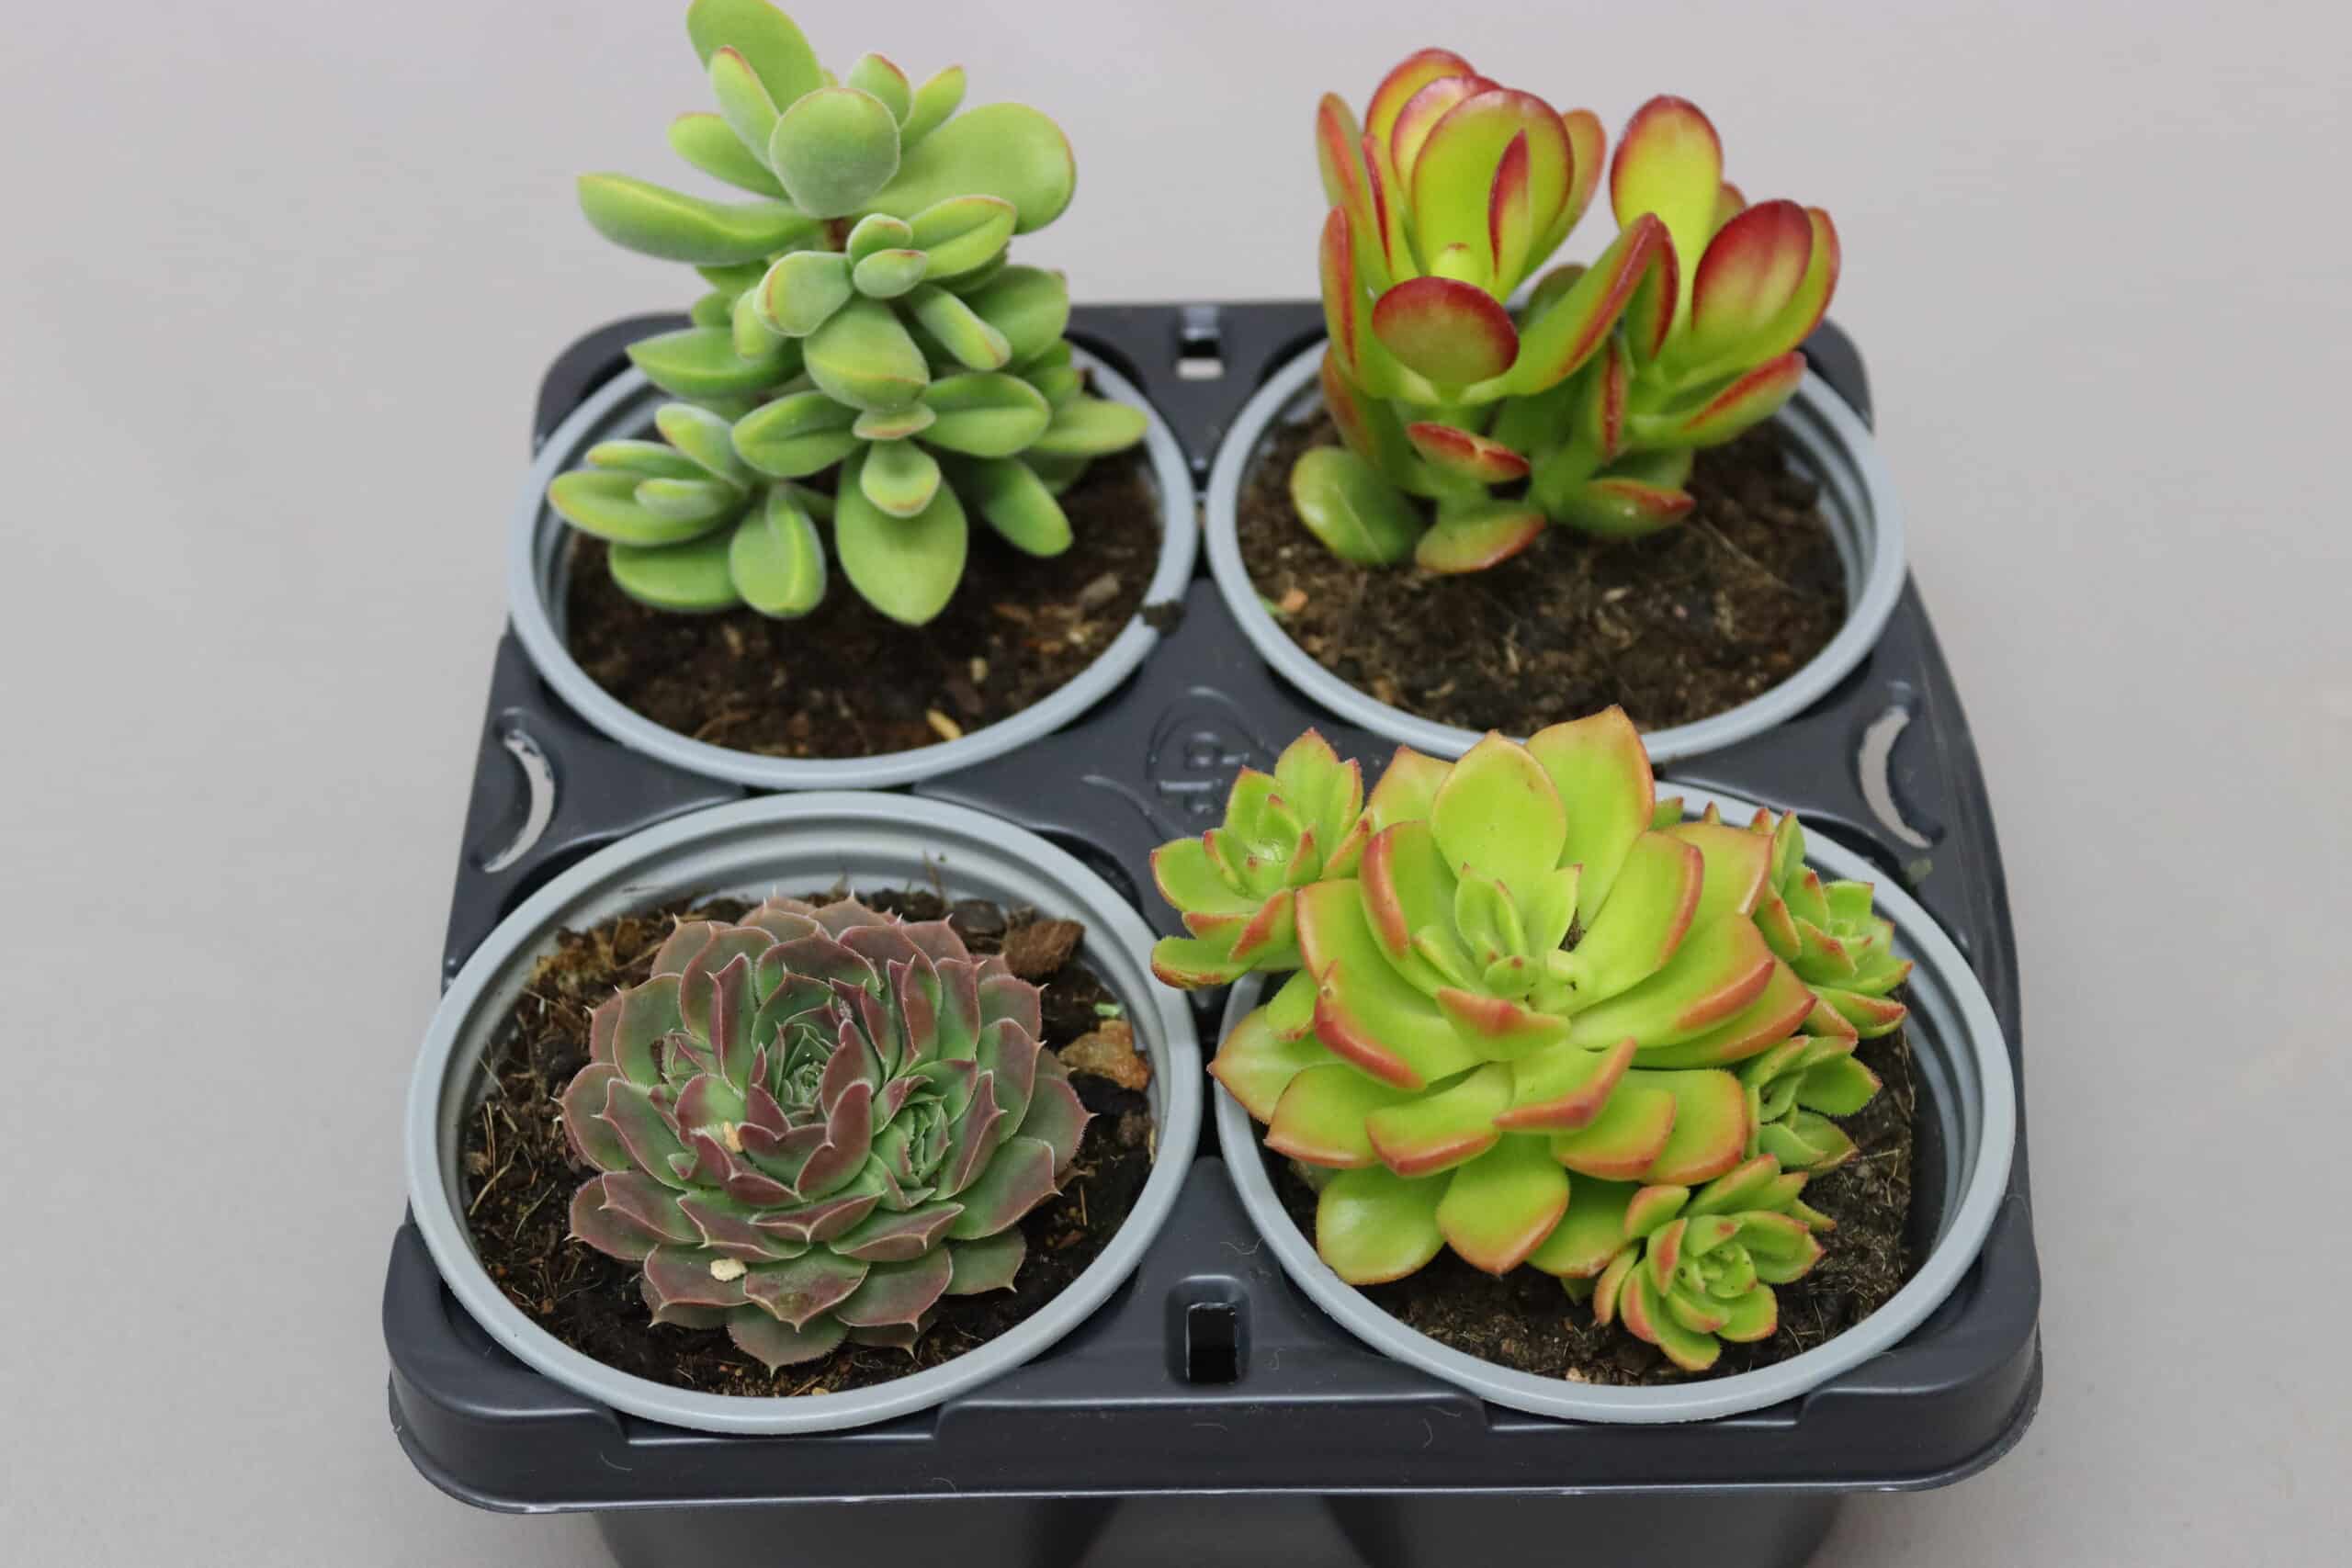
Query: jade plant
pixel 1520 989
pixel 812 1125
pixel 874 361
pixel 1584 404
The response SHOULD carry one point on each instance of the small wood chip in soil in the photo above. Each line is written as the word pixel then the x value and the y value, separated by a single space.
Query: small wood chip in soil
pixel 1110 1053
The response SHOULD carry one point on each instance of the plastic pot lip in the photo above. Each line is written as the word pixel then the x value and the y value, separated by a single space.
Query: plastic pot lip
pixel 536 529
pixel 1964 1059
pixel 861 834
pixel 1865 515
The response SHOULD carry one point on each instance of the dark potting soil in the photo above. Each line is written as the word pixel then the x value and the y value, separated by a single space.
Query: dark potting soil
pixel 1525 1320
pixel 521 1174
pixel 847 680
pixel 1685 624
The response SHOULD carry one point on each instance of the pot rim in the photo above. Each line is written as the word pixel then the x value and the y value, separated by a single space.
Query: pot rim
pixel 534 625
pixel 1825 429
pixel 932 836
pixel 1963 1063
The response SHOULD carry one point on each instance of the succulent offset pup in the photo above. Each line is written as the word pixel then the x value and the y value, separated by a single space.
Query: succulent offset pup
pixel 861 320
pixel 1518 976
pixel 1585 405
pixel 813 1126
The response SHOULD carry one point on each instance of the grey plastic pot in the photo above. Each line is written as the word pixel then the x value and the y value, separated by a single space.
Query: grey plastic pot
pixel 1963 1067
pixel 1831 444
pixel 751 849
pixel 539 559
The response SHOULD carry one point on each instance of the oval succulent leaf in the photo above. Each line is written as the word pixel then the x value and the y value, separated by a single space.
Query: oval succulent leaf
pixel 1454 333
pixel 1089 427
pixel 905 567
pixel 691 577
pixel 833 150
pixel 743 101
pixel 1358 514
pixel 1671 164
pixel 876 74
pixel 776 559
pixel 962 233
pixel 700 362
pixel 1474 538
pixel 939 97
pixel 802 290
pixel 768 41
pixel 1750 273
pixel 604 502
pixel 796 434
pixel 986 414
pixel 957 328
pixel 1028 305
pixel 899 477
pixel 709 145
pixel 864 357
pixel 1007 151
pixel 656 221
pixel 885 275
pixel 703 437
pixel 1016 503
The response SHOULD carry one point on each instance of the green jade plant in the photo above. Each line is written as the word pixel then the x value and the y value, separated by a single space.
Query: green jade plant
pixel 811 1126
pixel 1585 405
pixel 1517 977
pixel 863 322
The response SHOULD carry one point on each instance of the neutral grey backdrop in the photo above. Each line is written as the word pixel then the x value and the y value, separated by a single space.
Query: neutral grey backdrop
pixel 277 282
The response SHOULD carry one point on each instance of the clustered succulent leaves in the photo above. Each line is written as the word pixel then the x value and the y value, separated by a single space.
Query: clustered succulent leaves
pixel 866 358
pixel 1584 405
pixel 812 1125
pixel 1529 1009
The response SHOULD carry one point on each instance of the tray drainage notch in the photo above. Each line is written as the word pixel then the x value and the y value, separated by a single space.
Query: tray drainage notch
pixel 1200 344
pixel 1208 1340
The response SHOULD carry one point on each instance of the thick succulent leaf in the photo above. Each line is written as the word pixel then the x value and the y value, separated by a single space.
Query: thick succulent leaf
pixel 897 1237
pixel 1557 342
pixel 833 150
pixel 1091 427
pixel 775 1345
pixel 1255 1063
pixel 692 578
pixel 1438 1130
pixel 1645 919
pixel 1499 1208
pixel 1405 78
pixel 693 1277
pixel 1588 156
pixel 1321 1118
pixel 1455 175
pixel 1345 502
pixel 764 36
pixel 1007 151
pixel 802 291
pixel 939 97
pixel 1616 507
pixel 776 559
pixel 893 425
pixel 603 501
pixel 1408 892
pixel 1751 1317
pixel 1795 321
pixel 1455 334
pixel 1347 184
pixel 1028 305
pixel 885 275
pixel 1499 813
pixel 1710 1129
pixel 897 1294
pixel 657 221
pixel 989 1263
pixel 1498 1028
pixel 1750 273
pixel 701 503
pixel 1740 867
pixel 704 438
pixel 1369 426
pixel 1563 1087
pixel 647 1204
pixel 986 414
pixel 1016 503
pixel 1716 972
pixel 1621 1143
pixel 795 435
pixel 1512 217
pixel 1589 1233
pixel 1364 1011
pixel 1372 1225
pixel 1465 452
pixel 1192 964
pixel 1346 321
pixel 701 363
pixel 1056 1117
pixel 898 477
pixel 1746 403
pixel 1602 773
pixel 877 74
pixel 591 1140
pixel 1779 1007
pixel 1407 790
pixel 743 101
pixel 876 232
pixel 709 144
pixel 646 459
pixel 1839 1086
pixel 1647 1317
pixel 864 357
pixel 1478 535
pixel 1415 119
pixel 963 234
pixel 1019 1177
pixel 1670 163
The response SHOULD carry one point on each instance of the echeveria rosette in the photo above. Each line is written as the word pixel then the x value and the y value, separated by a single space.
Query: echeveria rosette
pixel 813 1126
pixel 1687 1270
pixel 1523 985
pixel 863 317
pixel 1829 934
pixel 1236 885
pixel 1795 1090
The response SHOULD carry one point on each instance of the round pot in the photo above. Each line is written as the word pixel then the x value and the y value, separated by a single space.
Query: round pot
pixel 1963 1068
pixel 539 561
pixel 752 848
pixel 1828 441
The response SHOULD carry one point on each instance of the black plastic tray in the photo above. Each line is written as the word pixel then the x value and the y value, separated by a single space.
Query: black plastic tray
pixel 1208 1373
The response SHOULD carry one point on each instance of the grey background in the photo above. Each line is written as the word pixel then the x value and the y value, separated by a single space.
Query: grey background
pixel 276 281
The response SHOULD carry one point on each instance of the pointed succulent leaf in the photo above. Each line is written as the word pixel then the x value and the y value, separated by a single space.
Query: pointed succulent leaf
pixel 1007 151
pixel 1016 503
pixel 1474 538
pixel 795 435
pixel 656 221
pixel 1372 1225
pixel 1345 502
pixel 700 362
pixel 605 503
pixel 905 567
pixel 864 357
pixel 988 1263
pixel 709 144
pixel 1019 1177
pixel 1501 1206
pixel 776 1345
pixel 834 149
pixel 689 579
pixel 986 414
pixel 776 559
pixel 1364 1011
pixel 897 1294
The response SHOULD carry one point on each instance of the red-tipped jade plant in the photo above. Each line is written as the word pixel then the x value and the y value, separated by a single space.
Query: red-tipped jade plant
pixel 813 1126
pixel 1584 405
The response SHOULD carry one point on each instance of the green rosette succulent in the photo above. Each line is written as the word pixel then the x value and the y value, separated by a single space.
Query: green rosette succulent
pixel 813 1126
pixel 861 321
pixel 1510 982
pixel 1685 1270
pixel 1795 1090
pixel 1829 935
pixel 1582 406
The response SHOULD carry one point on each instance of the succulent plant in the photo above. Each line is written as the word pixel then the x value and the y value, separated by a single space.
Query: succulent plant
pixel 1682 1270
pixel 1510 982
pixel 1796 1087
pixel 814 1124
pixel 1584 406
pixel 1828 934
pixel 861 317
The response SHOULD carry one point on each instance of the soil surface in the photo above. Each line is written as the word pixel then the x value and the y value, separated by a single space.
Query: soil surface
pixel 1678 627
pixel 521 1174
pixel 1526 1321
pixel 847 680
